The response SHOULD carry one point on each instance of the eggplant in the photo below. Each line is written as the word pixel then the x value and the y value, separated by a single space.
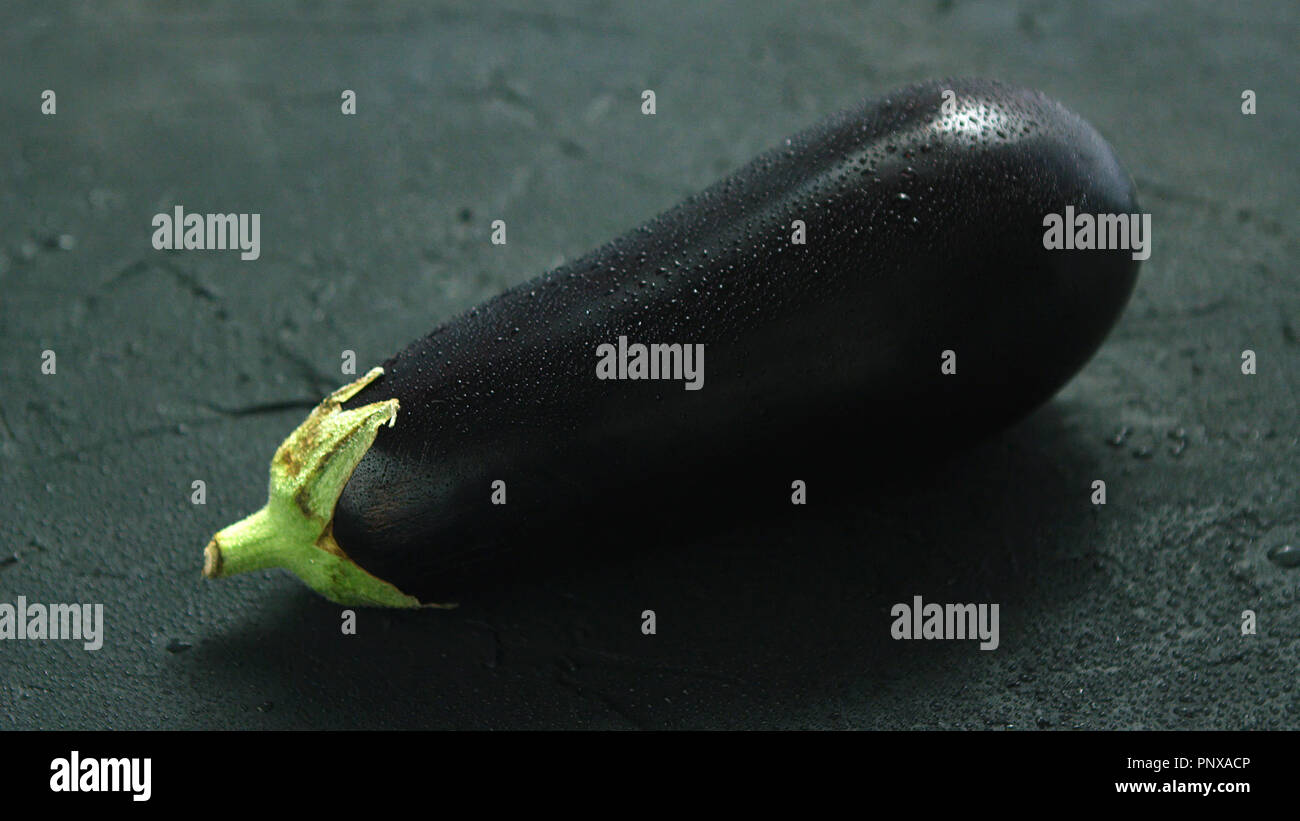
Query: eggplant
pixel 923 217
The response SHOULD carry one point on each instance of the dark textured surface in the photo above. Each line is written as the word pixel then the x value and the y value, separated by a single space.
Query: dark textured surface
pixel 374 228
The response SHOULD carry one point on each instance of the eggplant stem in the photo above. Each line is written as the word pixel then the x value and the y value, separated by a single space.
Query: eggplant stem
pixel 295 529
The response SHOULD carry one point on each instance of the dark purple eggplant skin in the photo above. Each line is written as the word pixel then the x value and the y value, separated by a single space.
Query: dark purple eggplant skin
pixel 924 234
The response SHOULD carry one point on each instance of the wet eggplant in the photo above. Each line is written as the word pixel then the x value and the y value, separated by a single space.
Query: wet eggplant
pixel 880 276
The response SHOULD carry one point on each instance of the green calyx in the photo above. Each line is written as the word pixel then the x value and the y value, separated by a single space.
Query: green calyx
pixel 295 530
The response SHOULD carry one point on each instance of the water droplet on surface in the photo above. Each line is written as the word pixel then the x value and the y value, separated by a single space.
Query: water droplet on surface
pixel 1285 555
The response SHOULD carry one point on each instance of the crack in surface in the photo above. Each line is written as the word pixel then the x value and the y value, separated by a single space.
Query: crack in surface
pixel 261 408
pixel 591 694
pixel 175 427
pixel 4 427
pixel 1216 207
pixel 497 648
pixel 186 280
pixel 318 380
pixel 636 664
